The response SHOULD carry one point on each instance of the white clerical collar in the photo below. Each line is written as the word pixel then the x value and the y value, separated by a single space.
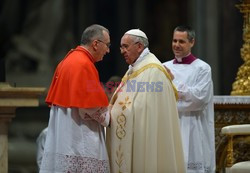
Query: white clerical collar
pixel 180 59
pixel 140 59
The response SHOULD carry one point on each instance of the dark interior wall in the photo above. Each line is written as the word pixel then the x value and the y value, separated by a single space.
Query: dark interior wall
pixel 107 15
pixel 156 18
pixel 162 18
pixel 35 35
pixel 231 28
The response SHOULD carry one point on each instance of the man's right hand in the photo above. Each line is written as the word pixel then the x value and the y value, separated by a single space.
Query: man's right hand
pixel 169 72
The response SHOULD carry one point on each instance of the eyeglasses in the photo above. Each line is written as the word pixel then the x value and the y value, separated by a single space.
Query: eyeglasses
pixel 107 44
pixel 126 46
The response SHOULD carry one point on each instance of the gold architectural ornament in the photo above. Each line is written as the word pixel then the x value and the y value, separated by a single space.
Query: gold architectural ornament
pixel 242 84
pixel 230 157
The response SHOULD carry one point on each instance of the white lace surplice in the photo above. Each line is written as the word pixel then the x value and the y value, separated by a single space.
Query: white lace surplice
pixel 196 112
pixel 75 144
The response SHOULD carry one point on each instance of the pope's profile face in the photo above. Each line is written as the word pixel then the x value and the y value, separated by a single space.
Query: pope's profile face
pixel 129 49
pixel 181 46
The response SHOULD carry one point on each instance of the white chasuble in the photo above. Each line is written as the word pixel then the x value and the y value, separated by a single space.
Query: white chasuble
pixel 145 135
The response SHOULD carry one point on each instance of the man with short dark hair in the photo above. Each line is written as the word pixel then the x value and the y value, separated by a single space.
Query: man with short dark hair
pixel 193 80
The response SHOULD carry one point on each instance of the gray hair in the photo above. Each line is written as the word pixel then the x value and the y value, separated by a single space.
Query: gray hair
pixel 141 40
pixel 188 29
pixel 92 32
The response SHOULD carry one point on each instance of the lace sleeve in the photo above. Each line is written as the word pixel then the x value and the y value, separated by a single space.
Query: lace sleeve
pixel 101 115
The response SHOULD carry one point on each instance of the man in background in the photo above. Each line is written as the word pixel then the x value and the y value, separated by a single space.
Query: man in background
pixel 40 142
pixel 193 80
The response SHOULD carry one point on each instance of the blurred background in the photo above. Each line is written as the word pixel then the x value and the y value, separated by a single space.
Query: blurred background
pixel 36 35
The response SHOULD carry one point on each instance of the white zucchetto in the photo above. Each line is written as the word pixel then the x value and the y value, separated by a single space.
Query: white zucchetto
pixel 136 32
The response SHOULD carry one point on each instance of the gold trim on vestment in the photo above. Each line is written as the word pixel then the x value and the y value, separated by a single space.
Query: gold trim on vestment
pixel 121 132
pixel 136 73
pixel 120 128
pixel 123 104
pixel 119 161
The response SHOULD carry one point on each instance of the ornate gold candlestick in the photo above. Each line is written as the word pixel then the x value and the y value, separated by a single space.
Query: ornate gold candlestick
pixel 242 84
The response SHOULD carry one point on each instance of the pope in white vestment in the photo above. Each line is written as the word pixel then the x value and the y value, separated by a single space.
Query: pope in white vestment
pixel 144 136
pixel 193 80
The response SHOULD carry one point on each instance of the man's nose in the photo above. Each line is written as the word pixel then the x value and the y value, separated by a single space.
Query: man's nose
pixel 122 51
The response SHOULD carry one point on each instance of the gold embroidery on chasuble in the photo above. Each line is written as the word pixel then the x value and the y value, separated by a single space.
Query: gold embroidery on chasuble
pixel 123 104
pixel 119 155
pixel 121 119
pixel 120 129
pixel 121 132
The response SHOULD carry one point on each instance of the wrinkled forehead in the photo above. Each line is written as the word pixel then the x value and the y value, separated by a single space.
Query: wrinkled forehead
pixel 180 35
pixel 126 39
pixel 183 34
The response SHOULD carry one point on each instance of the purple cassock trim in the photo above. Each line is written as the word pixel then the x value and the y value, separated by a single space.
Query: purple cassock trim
pixel 185 60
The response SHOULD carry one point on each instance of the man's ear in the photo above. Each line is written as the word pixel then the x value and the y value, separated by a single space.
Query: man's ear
pixel 192 42
pixel 94 44
pixel 141 47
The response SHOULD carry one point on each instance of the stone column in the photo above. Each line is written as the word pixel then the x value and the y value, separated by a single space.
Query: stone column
pixel 204 18
pixel 10 99
pixel 4 146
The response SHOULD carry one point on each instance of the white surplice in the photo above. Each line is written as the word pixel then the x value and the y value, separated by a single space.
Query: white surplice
pixel 75 141
pixel 144 136
pixel 40 146
pixel 196 112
